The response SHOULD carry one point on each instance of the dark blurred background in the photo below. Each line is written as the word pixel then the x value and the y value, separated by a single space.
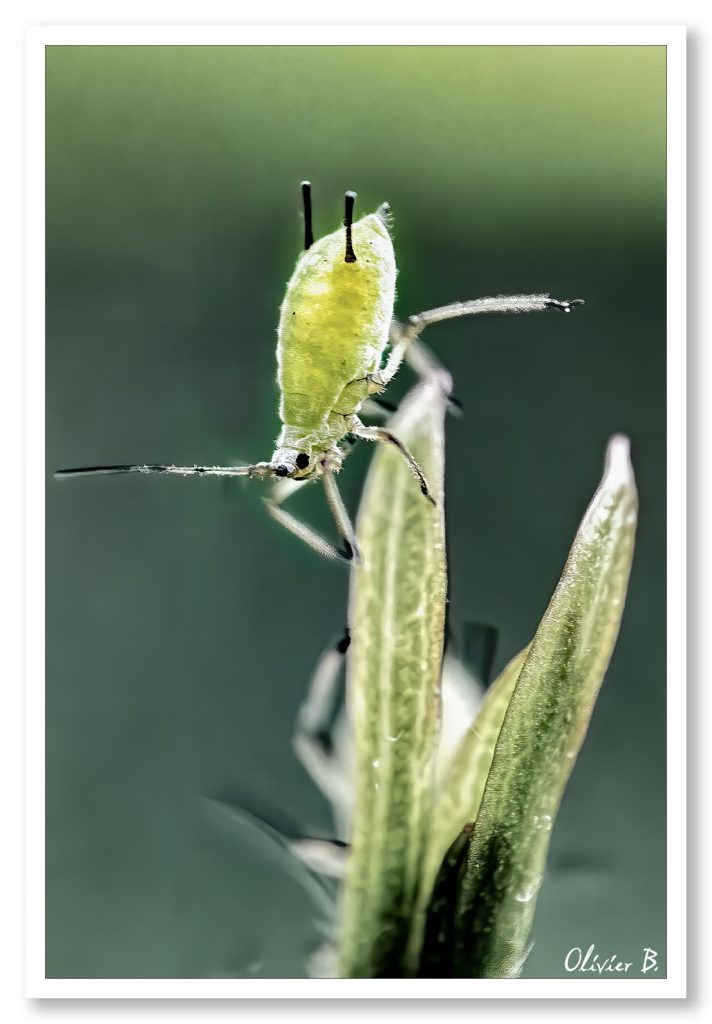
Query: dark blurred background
pixel 182 623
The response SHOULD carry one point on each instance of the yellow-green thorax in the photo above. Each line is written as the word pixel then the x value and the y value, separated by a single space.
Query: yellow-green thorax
pixel 333 329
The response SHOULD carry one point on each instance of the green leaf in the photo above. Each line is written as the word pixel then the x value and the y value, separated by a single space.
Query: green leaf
pixel 458 802
pixel 397 618
pixel 542 732
pixel 436 935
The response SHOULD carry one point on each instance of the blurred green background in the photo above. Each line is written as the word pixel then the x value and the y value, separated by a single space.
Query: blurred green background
pixel 182 623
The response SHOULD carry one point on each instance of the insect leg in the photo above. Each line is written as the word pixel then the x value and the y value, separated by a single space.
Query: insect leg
pixel 491 304
pixel 315 540
pixel 403 336
pixel 306 533
pixel 379 407
pixel 406 345
pixel 322 856
pixel 387 437
pixel 317 743
pixel 341 517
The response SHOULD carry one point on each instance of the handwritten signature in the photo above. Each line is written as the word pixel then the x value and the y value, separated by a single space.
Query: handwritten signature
pixel 590 962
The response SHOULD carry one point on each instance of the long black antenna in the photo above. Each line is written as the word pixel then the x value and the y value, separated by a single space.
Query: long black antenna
pixel 258 470
pixel 349 200
pixel 308 233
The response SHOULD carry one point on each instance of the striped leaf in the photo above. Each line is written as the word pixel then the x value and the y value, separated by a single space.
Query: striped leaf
pixel 458 802
pixel 397 617
pixel 542 732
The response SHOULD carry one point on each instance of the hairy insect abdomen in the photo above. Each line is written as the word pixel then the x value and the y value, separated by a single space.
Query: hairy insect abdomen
pixel 334 322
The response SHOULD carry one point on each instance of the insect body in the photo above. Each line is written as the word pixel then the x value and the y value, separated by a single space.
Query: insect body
pixel 333 330
pixel 336 323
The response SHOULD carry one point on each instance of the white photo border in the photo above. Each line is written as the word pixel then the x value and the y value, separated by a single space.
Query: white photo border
pixel 36 985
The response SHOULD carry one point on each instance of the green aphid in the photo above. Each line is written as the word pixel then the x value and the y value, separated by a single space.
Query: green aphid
pixel 335 325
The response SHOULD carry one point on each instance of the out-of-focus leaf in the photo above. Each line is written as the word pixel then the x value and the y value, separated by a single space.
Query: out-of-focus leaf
pixel 461 698
pixel 542 731
pixel 397 618
pixel 459 796
pixel 479 645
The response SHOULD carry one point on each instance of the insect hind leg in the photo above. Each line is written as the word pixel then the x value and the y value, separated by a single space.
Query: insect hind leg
pixel 404 337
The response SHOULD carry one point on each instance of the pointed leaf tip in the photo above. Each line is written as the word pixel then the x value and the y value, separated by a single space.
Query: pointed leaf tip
pixel 543 728
pixel 618 471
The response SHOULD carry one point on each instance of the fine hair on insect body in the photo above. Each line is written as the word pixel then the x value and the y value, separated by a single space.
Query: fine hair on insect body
pixel 338 348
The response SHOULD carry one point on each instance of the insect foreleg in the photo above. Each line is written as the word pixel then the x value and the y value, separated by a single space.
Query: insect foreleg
pixel 341 517
pixel 310 536
pixel 386 437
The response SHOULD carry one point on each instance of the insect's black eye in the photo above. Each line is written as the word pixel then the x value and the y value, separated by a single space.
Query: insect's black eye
pixel 281 470
pixel 302 460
